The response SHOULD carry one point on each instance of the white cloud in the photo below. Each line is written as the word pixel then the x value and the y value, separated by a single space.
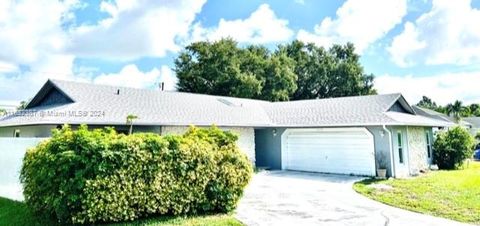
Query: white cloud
pixel 262 26
pixel 359 22
pixel 448 34
pixel 31 29
pixel 131 76
pixel 7 67
pixel 31 35
pixel 23 85
pixel 442 88
pixel 136 28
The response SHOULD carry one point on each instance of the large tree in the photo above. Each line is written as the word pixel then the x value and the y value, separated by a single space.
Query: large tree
pixel 325 73
pixel 222 68
pixel 428 103
pixel 291 72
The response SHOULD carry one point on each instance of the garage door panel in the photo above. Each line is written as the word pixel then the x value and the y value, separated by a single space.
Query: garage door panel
pixel 339 150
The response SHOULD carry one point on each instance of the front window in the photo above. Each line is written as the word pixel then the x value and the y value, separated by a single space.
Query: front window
pixel 400 146
pixel 429 145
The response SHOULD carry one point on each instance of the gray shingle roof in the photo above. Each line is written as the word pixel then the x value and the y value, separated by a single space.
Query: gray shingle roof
pixel 438 116
pixel 154 107
pixel 432 114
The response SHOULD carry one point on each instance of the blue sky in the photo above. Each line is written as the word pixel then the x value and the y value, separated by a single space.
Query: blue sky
pixel 415 47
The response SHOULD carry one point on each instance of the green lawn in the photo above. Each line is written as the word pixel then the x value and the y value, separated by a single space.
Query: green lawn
pixel 451 194
pixel 17 213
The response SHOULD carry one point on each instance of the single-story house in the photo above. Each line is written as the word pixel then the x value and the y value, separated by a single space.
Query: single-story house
pixel 348 135
pixel 442 117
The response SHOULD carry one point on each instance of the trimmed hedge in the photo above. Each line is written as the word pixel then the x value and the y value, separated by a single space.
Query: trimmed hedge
pixel 96 176
pixel 453 147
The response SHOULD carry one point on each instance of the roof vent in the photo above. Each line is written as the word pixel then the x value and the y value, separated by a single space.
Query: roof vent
pixel 229 103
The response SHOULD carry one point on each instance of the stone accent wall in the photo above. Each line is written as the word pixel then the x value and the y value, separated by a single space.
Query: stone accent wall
pixel 417 151
pixel 246 137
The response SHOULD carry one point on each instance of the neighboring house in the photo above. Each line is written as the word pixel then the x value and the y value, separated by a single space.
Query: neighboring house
pixel 474 124
pixel 443 117
pixel 336 135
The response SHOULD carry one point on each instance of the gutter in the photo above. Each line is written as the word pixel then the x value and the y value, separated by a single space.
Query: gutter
pixel 392 163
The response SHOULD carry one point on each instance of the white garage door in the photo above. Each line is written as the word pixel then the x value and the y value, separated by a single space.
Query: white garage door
pixel 329 150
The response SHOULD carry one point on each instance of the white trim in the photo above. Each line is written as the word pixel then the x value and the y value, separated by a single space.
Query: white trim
pixel 404 147
pixel 428 141
pixel 284 153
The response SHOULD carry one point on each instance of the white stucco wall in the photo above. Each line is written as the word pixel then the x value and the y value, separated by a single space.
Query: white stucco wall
pixel 12 151
pixel 246 137
pixel 28 131
pixel 417 152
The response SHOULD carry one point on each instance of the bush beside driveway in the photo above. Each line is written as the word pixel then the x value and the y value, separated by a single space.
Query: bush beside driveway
pixel 451 194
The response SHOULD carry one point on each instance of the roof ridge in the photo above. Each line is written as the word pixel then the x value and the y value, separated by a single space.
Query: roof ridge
pixel 153 90
pixel 219 96
pixel 340 98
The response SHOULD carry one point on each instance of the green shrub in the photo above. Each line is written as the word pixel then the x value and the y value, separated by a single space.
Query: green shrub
pixel 452 148
pixel 100 176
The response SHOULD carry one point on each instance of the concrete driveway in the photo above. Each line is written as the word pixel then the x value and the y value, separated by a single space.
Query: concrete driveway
pixel 295 198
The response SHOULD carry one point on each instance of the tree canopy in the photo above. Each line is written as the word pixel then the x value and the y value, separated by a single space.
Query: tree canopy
pixel 428 103
pixel 290 72
pixel 222 68
pixel 456 109
pixel 322 73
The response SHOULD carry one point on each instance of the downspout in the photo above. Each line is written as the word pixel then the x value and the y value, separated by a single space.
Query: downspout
pixel 392 163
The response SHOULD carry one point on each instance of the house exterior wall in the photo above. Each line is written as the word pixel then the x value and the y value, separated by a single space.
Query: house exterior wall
pixel 125 128
pixel 269 153
pixel 402 170
pixel 28 131
pixel 46 130
pixel 415 150
pixel 382 146
pixel 246 137
pixel 268 144
pixel 13 151
pixel 417 154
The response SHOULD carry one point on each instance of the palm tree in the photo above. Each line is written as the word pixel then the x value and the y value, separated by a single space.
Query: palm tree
pixel 455 110
pixel 130 119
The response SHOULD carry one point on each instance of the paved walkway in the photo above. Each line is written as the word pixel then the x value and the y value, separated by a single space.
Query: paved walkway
pixel 294 198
